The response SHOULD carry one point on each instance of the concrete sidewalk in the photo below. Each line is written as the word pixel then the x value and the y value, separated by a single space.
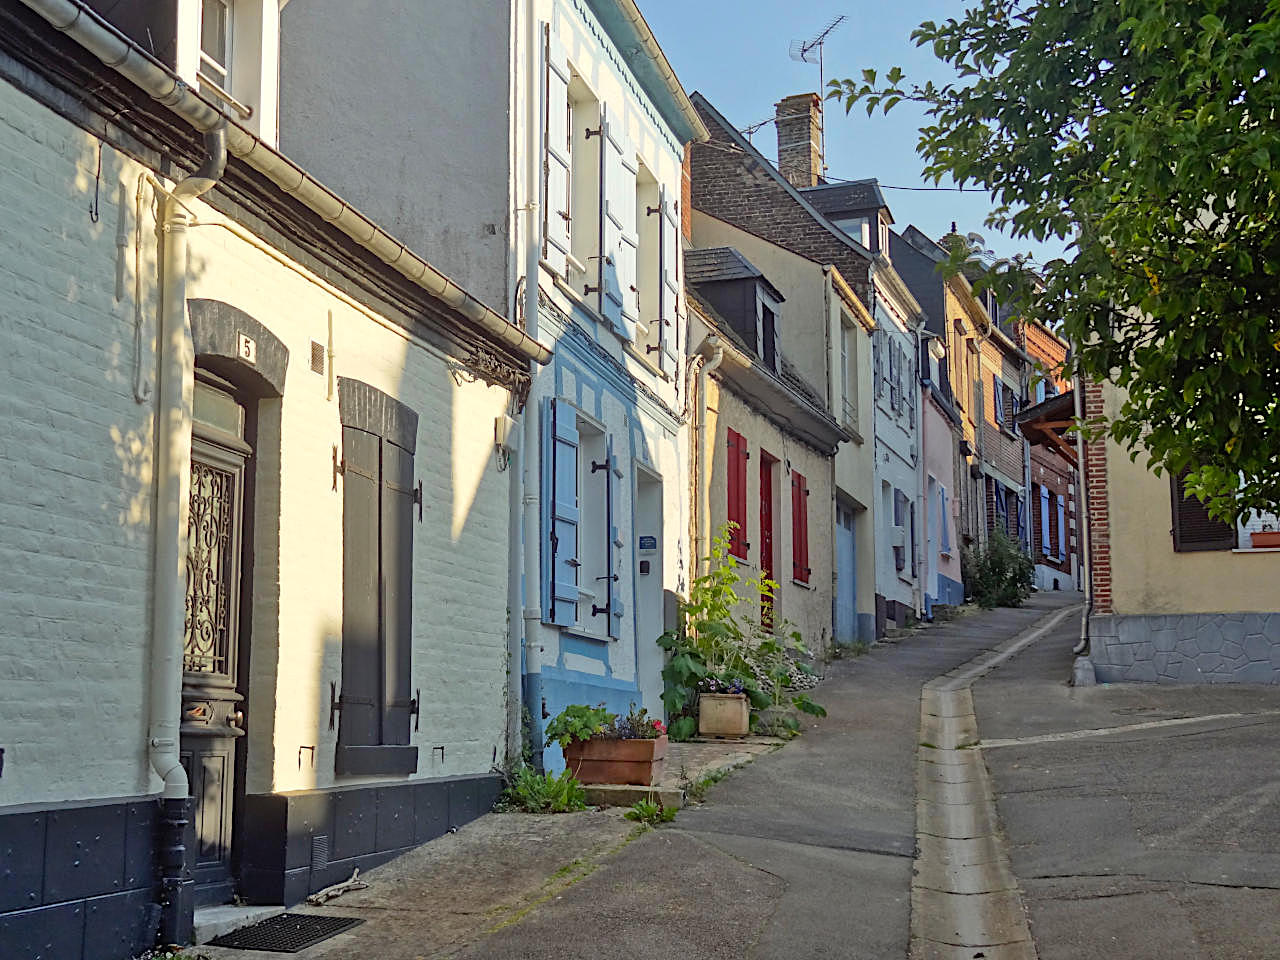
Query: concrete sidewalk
pixel 1142 820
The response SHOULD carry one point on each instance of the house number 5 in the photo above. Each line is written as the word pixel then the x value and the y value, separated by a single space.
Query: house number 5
pixel 247 348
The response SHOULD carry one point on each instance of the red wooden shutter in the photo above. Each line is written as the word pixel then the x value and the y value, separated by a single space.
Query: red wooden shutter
pixel 737 477
pixel 799 527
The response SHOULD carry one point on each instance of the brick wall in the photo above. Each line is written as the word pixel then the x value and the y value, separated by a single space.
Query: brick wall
pixel 737 187
pixel 1098 508
pixel 76 480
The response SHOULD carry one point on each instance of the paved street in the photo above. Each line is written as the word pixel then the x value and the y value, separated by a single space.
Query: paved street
pixel 1155 839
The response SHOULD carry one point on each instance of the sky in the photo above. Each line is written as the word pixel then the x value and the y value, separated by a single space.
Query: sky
pixel 736 54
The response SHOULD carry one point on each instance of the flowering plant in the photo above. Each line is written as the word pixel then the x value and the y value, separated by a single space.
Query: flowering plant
pixel 721 685
pixel 636 725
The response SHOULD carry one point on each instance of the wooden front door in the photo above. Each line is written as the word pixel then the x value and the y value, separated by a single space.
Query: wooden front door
pixel 767 464
pixel 212 706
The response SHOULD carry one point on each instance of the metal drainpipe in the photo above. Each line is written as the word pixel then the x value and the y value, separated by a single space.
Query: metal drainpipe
pixel 704 458
pixel 529 575
pixel 176 386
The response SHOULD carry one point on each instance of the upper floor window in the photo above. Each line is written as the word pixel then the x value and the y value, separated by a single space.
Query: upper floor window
pixel 215 42
pixel 847 374
pixel 767 331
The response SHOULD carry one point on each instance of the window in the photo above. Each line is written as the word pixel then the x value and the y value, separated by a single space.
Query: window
pixel 848 411
pixel 997 395
pixel 582 511
pixel 1193 528
pixel 736 474
pixel 799 527
pixel 583 224
pixel 379 436
pixel 215 41
pixel 649 217
pixel 768 336
pixel 899 531
pixel 884 238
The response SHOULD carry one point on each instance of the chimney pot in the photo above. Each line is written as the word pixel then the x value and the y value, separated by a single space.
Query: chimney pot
pixel 799 122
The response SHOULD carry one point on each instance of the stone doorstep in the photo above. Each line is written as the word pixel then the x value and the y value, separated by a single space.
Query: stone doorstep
pixel 625 795
pixel 213 922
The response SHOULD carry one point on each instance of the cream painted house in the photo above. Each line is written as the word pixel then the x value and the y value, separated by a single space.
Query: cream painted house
pixel 827 335
pixel 1174 595
pixel 259 504
pixel 763 446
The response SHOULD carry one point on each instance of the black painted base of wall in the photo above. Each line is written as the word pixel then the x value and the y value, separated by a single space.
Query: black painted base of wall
pixel 77 882
pixel 298 843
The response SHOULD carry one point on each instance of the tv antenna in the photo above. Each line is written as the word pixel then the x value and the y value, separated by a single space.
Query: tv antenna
pixel 804 52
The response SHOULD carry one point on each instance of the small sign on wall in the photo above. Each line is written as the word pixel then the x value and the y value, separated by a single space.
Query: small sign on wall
pixel 648 544
pixel 246 348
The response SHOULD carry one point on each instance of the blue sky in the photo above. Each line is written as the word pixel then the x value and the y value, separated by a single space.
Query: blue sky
pixel 736 53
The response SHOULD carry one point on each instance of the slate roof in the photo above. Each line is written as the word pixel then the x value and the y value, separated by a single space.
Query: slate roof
pixel 829 198
pixel 714 264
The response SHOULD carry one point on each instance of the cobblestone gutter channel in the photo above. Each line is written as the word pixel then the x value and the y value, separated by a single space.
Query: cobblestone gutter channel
pixel 965 901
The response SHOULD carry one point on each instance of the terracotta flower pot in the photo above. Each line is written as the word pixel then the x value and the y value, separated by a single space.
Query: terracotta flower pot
pixel 723 714
pixel 617 761
pixel 1265 538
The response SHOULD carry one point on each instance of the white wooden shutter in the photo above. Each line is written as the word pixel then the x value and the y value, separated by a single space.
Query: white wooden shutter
pixel 555 156
pixel 561 515
pixel 669 254
pixel 619 301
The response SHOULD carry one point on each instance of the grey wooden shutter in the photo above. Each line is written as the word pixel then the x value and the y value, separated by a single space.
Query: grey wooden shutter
pixel 361 596
pixel 397 592
pixel 1193 528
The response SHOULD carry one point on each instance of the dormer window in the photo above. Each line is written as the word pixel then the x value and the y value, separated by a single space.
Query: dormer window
pixel 215 42
pixel 767 329
pixel 884 237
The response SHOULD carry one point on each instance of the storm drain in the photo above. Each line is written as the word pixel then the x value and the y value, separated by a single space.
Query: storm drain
pixel 286 933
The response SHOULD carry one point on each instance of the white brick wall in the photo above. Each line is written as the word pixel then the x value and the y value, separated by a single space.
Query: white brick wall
pixel 75 485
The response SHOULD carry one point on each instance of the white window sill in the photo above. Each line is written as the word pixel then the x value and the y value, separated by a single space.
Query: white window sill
pixel 1255 549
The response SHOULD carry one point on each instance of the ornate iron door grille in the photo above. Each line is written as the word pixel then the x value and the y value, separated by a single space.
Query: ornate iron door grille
pixel 212 568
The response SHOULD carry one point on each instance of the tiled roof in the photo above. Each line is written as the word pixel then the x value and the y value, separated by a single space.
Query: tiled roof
pixel 714 264
pixel 841 197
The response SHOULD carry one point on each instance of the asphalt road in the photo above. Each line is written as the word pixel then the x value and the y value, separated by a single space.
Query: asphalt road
pixel 1158 839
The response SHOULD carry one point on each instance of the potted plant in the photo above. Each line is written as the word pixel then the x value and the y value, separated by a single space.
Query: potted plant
pixel 1268 536
pixel 601 747
pixel 723 710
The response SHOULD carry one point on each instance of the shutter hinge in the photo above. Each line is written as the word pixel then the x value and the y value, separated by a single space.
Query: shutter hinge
pixel 603 465
pixel 335 702
pixel 415 707
pixel 339 467
pixel 653 348
pixel 594 132
pixel 417 498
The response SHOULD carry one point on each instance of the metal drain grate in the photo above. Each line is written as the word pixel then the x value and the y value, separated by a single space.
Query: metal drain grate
pixel 286 933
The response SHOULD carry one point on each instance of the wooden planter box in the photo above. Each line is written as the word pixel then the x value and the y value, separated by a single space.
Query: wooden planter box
pixel 723 714
pixel 617 761
pixel 1264 538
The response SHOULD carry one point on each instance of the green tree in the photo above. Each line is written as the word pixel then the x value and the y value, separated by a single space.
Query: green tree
pixel 1143 133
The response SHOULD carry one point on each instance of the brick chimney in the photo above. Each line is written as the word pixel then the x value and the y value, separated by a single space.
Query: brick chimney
pixel 799 122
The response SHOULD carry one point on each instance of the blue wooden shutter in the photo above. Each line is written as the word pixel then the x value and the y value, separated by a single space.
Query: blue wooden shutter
pixel 613 512
pixel 669 254
pixel 1062 530
pixel 619 302
pixel 561 514
pixel 555 145
pixel 997 391
pixel 1021 503
pixel 1044 520
pixel 942 516
pixel 397 592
